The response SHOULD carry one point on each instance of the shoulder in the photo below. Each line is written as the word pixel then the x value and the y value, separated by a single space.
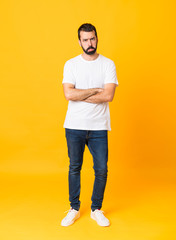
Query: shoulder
pixel 107 61
pixel 72 61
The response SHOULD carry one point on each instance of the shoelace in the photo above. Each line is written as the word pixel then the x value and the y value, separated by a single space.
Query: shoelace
pixel 100 212
pixel 70 213
pixel 69 210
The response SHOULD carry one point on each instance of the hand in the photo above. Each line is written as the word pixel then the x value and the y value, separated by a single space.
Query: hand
pixel 99 90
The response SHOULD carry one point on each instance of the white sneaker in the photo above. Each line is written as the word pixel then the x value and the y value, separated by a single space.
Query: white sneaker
pixel 72 215
pixel 99 217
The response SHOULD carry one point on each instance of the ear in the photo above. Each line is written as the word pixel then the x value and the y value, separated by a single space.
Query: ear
pixel 79 42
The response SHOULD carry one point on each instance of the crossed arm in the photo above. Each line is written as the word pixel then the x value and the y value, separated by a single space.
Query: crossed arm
pixel 91 95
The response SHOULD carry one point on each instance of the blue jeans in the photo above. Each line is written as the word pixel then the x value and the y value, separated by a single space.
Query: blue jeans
pixel 97 142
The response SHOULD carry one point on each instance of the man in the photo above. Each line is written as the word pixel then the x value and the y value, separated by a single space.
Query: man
pixel 89 84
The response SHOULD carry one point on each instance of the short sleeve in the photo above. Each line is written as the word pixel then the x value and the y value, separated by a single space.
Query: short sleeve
pixel 111 76
pixel 68 76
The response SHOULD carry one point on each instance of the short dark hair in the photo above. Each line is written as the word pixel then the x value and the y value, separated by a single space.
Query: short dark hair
pixel 86 27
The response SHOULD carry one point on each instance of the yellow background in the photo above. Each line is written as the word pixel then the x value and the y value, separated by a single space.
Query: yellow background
pixel 37 37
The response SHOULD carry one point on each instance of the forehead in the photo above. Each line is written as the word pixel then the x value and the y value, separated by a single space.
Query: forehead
pixel 85 35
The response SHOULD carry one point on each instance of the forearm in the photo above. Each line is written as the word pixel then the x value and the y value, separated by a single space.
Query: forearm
pixel 99 98
pixel 74 94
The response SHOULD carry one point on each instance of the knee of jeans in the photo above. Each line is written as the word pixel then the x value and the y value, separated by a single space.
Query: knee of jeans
pixel 101 172
pixel 74 169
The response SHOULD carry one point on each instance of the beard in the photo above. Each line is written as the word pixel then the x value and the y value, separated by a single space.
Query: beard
pixel 93 50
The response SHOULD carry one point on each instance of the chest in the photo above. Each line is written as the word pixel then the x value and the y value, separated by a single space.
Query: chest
pixel 89 76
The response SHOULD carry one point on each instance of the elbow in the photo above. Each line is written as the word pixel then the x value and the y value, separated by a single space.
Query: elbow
pixel 67 96
pixel 110 98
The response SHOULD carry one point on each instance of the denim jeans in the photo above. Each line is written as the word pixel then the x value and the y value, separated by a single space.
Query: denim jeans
pixel 97 142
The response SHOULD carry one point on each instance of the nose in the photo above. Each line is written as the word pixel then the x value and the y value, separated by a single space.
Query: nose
pixel 89 42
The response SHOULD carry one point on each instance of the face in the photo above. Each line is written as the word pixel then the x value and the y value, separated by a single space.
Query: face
pixel 88 42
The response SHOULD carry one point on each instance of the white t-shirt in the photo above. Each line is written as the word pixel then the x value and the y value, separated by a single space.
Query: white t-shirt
pixel 86 74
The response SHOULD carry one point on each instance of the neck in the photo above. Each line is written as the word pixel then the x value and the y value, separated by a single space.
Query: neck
pixel 90 57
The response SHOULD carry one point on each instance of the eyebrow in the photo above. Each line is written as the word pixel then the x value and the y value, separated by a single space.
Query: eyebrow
pixel 88 38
